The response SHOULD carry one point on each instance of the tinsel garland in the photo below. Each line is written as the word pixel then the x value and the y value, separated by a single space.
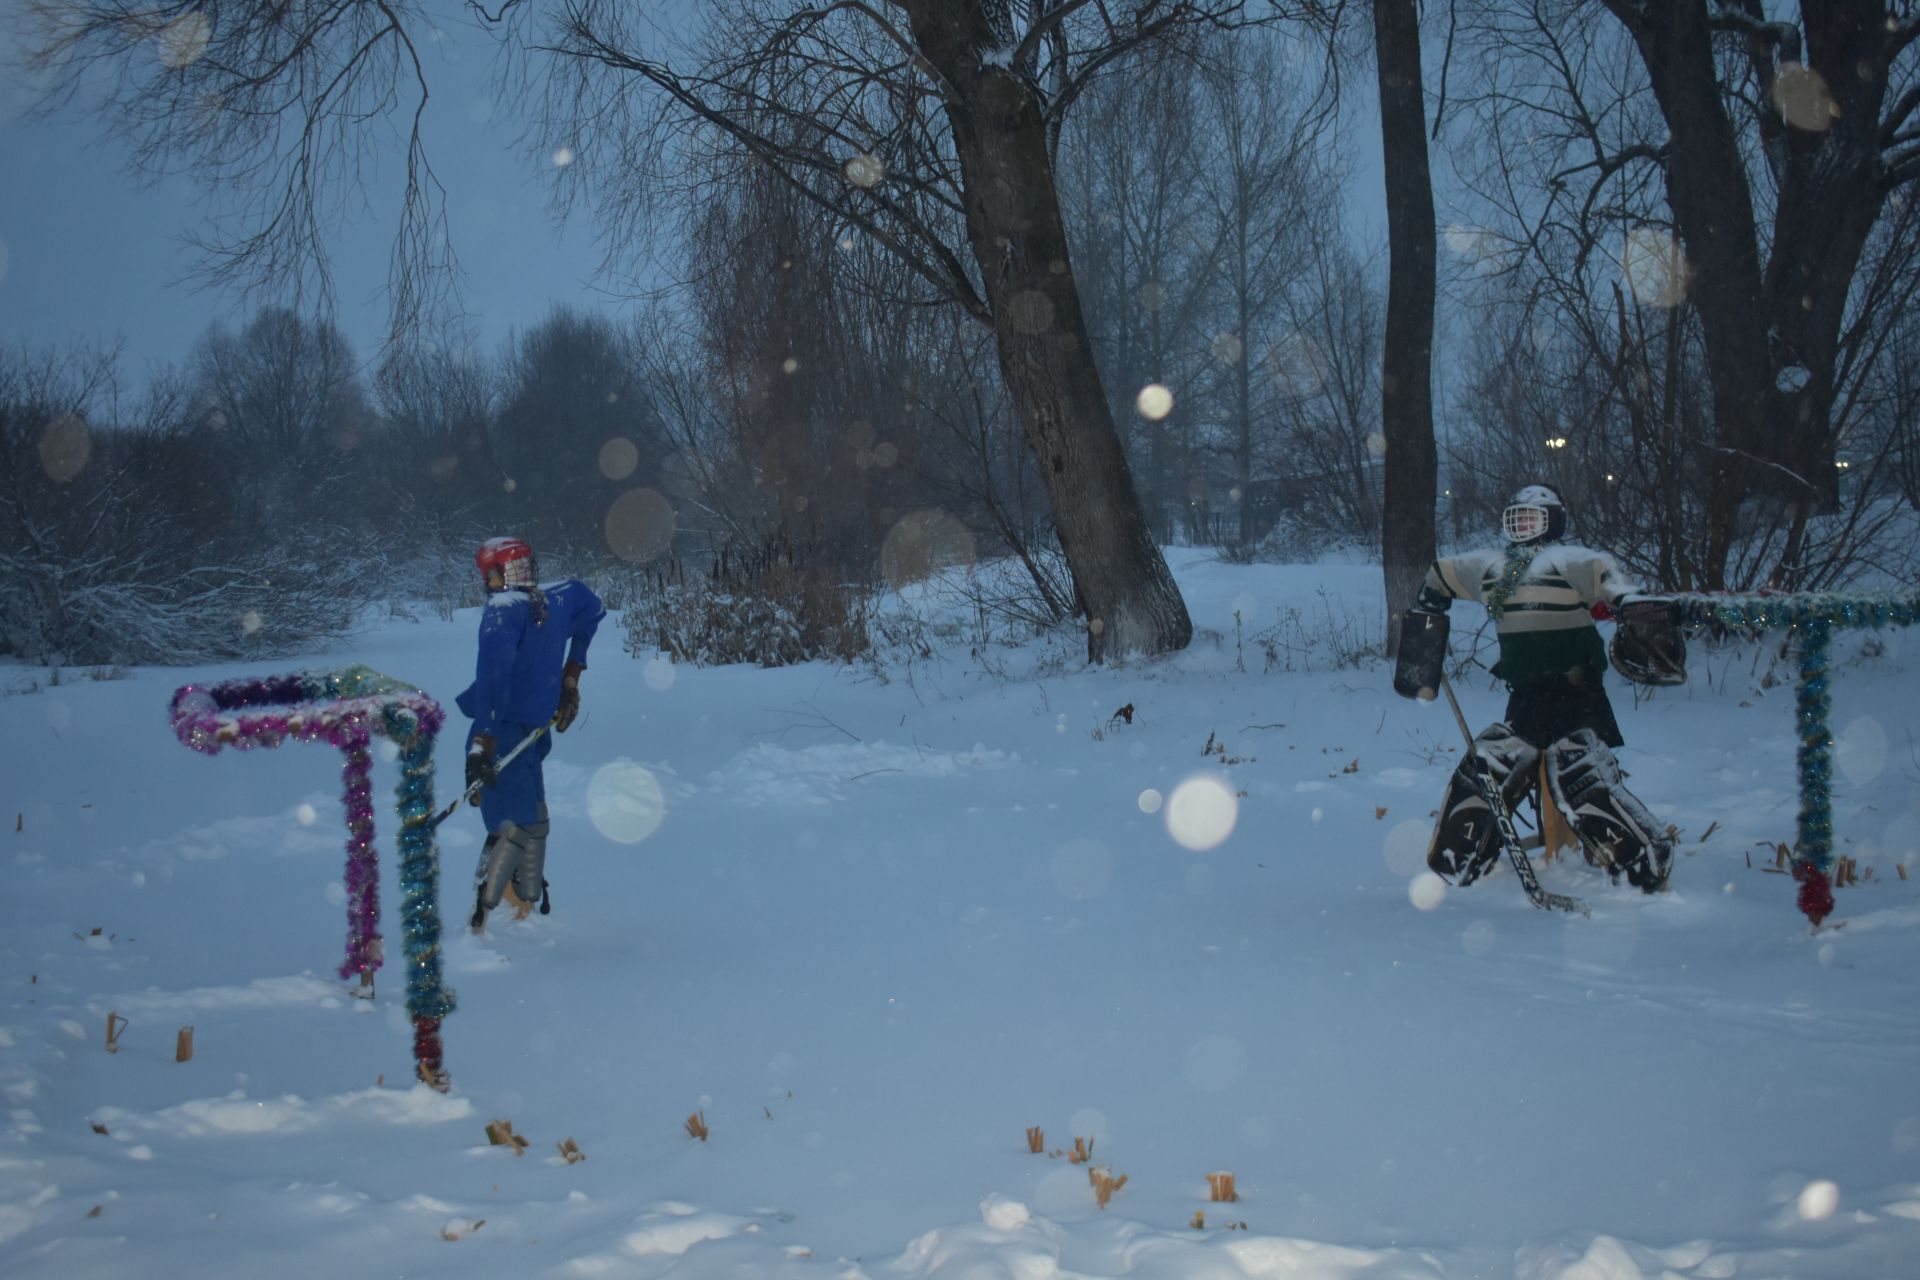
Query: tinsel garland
pixel 1519 560
pixel 345 709
pixel 1813 616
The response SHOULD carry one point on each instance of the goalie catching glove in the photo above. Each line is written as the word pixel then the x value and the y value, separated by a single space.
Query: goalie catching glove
pixel 1648 647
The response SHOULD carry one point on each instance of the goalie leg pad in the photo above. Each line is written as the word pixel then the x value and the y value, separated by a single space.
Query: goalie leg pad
pixel 1467 840
pixel 1511 759
pixel 1466 843
pixel 1617 829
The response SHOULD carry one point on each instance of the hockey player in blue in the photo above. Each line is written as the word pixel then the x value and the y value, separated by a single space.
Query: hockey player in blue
pixel 533 647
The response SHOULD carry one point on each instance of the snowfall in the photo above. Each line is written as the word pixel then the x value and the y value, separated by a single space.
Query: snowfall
pixel 871 927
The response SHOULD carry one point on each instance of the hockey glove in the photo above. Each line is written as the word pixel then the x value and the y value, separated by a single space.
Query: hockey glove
pixel 569 698
pixel 480 767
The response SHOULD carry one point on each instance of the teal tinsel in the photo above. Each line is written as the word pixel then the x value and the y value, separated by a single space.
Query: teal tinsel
pixel 427 997
pixel 1813 706
pixel 1779 612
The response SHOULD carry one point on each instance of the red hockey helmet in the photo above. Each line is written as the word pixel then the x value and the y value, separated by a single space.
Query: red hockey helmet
pixel 511 558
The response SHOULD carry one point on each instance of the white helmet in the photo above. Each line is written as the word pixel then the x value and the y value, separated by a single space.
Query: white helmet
pixel 1534 514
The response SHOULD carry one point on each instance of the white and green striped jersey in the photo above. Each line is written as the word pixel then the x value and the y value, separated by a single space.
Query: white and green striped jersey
pixel 1542 612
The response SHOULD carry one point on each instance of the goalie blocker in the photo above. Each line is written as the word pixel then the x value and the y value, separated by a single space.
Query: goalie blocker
pixel 1422 655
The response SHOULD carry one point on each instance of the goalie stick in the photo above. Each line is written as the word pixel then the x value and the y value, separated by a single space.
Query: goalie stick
pixel 1503 822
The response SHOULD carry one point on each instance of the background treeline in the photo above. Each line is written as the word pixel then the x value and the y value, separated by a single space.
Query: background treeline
pixel 807 403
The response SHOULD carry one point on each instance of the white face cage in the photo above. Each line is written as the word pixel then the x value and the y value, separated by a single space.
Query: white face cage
pixel 518 573
pixel 1523 523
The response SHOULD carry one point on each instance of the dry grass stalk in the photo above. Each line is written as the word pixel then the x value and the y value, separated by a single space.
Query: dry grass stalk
pixel 1199 1222
pixel 1104 1184
pixel 1220 1188
pixel 1901 867
pixel 115 1026
pixel 1082 1151
pixel 570 1151
pixel 183 1045
pixel 1036 1139
pixel 500 1133
pixel 697 1125
pixel 1711 828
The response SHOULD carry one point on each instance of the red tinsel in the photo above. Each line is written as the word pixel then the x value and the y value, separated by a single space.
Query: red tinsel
pixel 428 1064
pixel 1816 892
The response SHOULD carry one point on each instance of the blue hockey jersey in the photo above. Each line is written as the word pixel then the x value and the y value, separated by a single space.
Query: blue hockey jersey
pixel 517 676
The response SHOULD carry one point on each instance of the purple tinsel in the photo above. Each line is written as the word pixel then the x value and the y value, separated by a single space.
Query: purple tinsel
pixel 363 864
pixel 342 708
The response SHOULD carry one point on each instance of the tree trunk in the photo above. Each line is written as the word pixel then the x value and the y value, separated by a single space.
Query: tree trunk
pixel 1406 376
pixel 1020 244
pixel 1772 425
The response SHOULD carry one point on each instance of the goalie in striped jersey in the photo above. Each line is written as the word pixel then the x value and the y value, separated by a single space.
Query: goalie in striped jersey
pixel 1542 593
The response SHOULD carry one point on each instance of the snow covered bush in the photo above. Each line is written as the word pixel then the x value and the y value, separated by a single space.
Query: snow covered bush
pixel 765 606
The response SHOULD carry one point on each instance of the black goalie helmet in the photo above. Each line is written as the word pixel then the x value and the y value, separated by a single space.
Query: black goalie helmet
pixel 1534 514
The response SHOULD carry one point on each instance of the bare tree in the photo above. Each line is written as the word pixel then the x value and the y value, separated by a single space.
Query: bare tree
pixel 1406 379
pixel 284 402
pixel 439 406
pixel 267 106
pixel 1766 146
pixel 1329 377
pixel 1271 200
pixel 575 430
pixel 929 128
pixel 1131 169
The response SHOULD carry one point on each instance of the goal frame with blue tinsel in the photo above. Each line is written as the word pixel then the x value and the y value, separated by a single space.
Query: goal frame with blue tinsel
pixel 1810 618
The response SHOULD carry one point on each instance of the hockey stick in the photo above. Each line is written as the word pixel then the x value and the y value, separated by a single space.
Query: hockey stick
pixel 1503 819
pixel 472 794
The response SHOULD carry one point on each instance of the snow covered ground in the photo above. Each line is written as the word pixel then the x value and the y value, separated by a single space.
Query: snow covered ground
pixel 881 928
